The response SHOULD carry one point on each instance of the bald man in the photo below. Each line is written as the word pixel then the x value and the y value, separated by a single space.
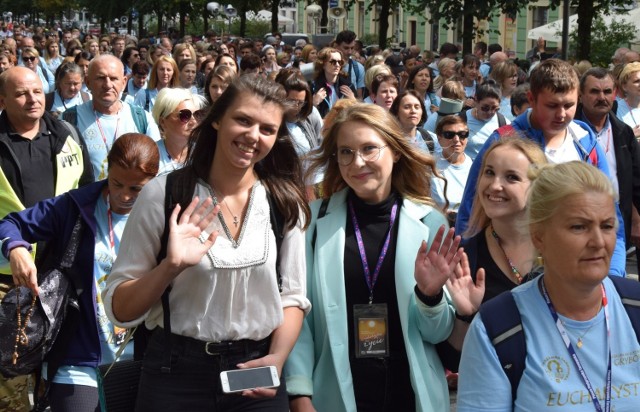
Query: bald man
pixel 39 159
pixel 105 118
pixel 631 57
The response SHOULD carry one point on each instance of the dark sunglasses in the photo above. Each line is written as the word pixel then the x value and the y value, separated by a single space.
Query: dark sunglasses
pixel 335 62
pixel 450 135
pixel 185 115
pixel 29 59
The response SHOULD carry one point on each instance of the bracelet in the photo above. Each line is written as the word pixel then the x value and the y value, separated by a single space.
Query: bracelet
pixel 429 300
pixel 465 318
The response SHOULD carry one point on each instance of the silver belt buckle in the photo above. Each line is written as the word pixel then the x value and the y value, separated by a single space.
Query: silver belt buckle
pixel 206 348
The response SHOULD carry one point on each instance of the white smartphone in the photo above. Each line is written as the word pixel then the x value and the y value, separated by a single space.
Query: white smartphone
pixel 238 380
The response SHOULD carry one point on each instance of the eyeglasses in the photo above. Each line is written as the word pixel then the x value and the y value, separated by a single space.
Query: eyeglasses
pixel 345 155
pixel 29 59
pixel 463 134
pixel 185 115
pixel 335 62
pixel 295 102
pixel 490 109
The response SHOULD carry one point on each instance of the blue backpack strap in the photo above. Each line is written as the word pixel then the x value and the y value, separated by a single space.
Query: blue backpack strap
pixel 629 292
pixel 501 319
pixel 139 118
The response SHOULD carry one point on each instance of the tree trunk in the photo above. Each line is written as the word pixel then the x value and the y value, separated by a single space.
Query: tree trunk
pixel 586 14
pixel 142 31
pixel 383 23
pixel 467 27
pixel 205 19
pixel 324 20
pixel 244 8
pixel 274 15
pixel 183 16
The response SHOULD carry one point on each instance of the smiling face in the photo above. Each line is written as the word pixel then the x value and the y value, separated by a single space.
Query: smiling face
pixel 409 112
pixel 370 180
pixel 246 132
pixel 577 242
pixel 124 187
pixel 503 183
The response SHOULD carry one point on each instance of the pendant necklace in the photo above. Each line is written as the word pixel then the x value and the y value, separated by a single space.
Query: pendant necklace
pixel 514 270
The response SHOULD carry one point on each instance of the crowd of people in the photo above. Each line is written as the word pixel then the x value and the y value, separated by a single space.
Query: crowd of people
pixel 358 219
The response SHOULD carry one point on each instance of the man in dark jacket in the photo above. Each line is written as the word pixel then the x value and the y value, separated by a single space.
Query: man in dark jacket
pixel 597 94
pixel 39 159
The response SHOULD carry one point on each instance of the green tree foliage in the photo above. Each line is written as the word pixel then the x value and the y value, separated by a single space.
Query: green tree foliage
pixel 587 11
pixel 449 12
pixel 604 40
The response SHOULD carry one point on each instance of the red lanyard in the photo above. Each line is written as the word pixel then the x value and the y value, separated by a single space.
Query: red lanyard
pixel 115 134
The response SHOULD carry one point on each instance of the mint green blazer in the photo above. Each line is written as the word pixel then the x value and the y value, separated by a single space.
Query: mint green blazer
pixel 319 363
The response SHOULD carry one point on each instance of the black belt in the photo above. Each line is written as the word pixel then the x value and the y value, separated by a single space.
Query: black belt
pixel 228 347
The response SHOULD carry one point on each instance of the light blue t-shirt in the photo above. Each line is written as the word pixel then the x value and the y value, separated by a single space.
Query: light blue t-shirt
pixel 456 176
pixel 104 257
pixel 628 115
pixel 479 132
pixel 141 98
pixel 60 104
pixel 100 131
pixel 550 381
pixel 505 108
pixel 167 164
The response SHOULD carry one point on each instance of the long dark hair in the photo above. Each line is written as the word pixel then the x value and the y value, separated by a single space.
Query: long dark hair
pixel 280 171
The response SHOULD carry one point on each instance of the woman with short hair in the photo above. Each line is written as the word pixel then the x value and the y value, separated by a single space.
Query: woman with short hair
pixel 31 60
pixel 103 210
pixel 574 345
pixel 176 112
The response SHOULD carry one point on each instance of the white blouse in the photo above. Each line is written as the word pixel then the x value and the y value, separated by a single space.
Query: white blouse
pixel 233 292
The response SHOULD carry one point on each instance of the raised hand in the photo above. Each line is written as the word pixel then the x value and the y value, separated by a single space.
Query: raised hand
pixel 435 265
pixel 465 294
pixel 186 246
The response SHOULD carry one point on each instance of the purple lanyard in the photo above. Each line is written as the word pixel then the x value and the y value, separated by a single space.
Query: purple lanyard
pixel 574 355
pixel 368 277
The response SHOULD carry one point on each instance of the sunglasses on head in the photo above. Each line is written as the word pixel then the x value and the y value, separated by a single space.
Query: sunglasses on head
pixel 463 134
pixel 185 115
pixel 29 59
